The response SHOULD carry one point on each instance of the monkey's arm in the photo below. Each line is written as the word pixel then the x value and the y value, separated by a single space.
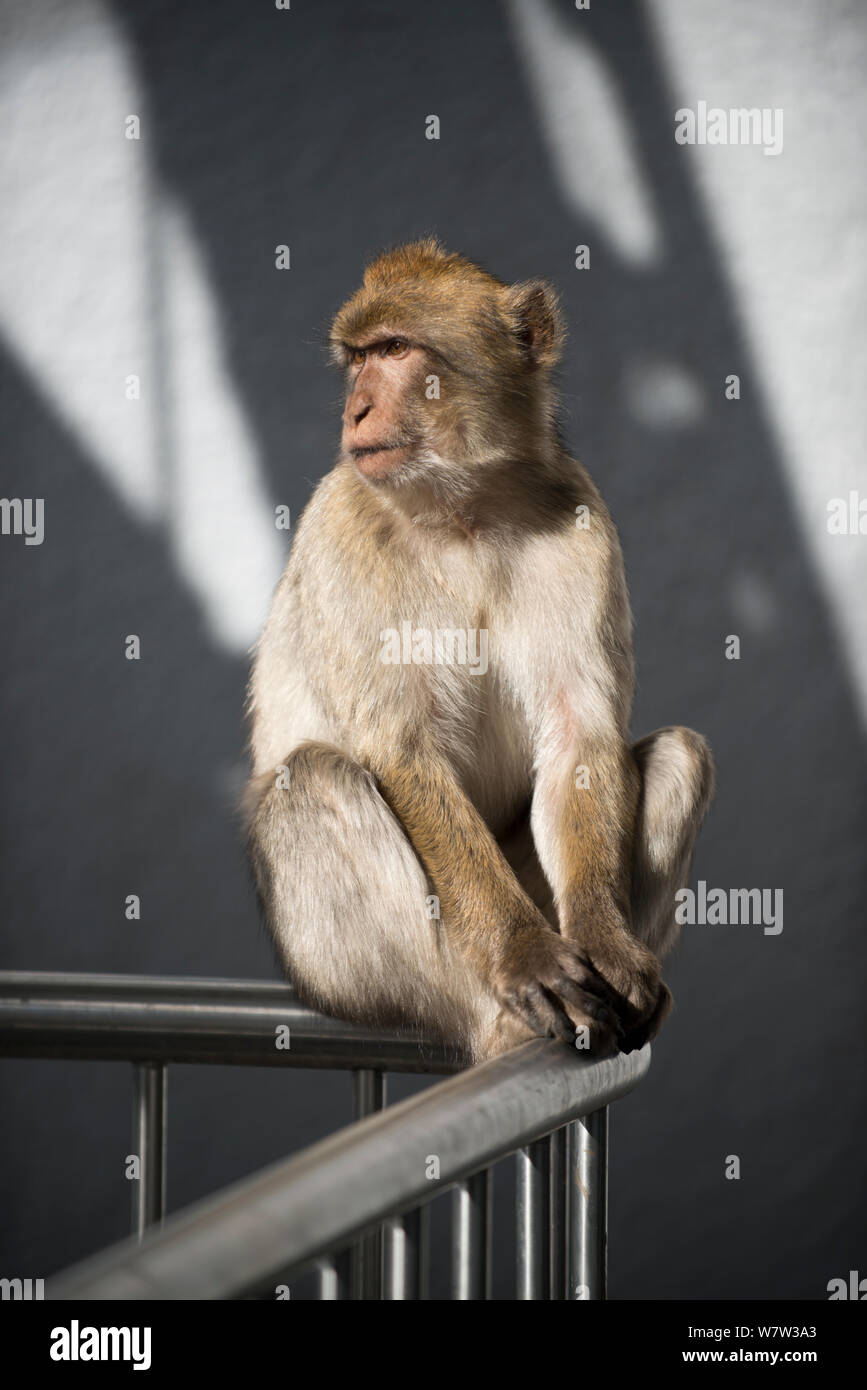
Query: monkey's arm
pixel 584 812
pixel 491 921
pixel 587 784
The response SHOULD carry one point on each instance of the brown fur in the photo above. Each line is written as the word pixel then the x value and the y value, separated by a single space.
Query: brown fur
pixel 414 783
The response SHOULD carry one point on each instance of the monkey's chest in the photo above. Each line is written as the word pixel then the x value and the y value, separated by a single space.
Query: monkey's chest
pixel 496 768
pixel 453 644
pixel 486 740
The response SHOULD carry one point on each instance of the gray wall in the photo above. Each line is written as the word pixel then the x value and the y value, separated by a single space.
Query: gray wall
pixel 156 257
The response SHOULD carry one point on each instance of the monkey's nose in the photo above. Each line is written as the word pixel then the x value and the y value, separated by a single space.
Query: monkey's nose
pixel 359 403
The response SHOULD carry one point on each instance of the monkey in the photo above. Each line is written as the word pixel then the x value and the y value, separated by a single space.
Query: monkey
pixel 472 849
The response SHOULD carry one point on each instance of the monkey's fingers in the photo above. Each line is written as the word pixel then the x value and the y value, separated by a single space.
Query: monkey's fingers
pixel 587 1006
pixel 582 970
pixel 636 1037
pixel 544 1014
pixel 595 983
pixel 631 1017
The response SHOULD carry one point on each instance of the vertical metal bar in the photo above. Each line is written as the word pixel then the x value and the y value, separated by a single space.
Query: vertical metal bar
pixel 471 1238
pixel 423 1250
pixel 558 1178
pixel 405 1255
pixel 533 1220
pixel 588 1207
pixel 368 1089
pixel 335 1277
pixel 149 1143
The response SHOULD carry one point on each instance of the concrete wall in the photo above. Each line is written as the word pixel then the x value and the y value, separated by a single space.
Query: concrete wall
pixel 155 258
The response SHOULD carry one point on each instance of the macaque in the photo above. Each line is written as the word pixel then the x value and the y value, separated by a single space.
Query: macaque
pixel 449 827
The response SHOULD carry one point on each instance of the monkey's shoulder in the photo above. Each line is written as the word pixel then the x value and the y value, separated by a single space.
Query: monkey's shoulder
pixel 344 514
pixel 575 532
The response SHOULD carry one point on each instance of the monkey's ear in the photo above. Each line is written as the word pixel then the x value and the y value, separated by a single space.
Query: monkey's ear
pixel 534 308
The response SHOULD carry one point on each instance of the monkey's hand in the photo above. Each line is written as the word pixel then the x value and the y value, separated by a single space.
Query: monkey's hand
pixel 631 971
pixel 549 983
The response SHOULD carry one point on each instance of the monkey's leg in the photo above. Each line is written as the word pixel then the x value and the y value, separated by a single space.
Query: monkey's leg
pixel 507 1030
pixel 519 848
pixel 677 782
pixel 349 906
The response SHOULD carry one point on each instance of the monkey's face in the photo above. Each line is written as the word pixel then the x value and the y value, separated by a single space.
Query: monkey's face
pixel 381 430
pixel 447 370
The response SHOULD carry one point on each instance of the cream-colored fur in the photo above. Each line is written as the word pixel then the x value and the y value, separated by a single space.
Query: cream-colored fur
pixel 384 791
pixel 347 898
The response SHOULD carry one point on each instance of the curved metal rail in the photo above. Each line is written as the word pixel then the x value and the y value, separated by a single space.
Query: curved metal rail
pixel 356 1203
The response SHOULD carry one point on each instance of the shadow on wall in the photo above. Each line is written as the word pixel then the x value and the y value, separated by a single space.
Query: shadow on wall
pixel 306 128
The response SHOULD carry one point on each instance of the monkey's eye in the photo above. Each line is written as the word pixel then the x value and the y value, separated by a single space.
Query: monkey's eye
pixel 356 356
pixel 396 348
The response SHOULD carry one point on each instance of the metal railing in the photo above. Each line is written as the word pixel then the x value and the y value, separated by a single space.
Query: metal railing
pixel 354 1206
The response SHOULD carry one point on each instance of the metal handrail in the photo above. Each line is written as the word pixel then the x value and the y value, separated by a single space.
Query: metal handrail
pixel 543 1102
pixel 136 1018
pixel 274 1224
